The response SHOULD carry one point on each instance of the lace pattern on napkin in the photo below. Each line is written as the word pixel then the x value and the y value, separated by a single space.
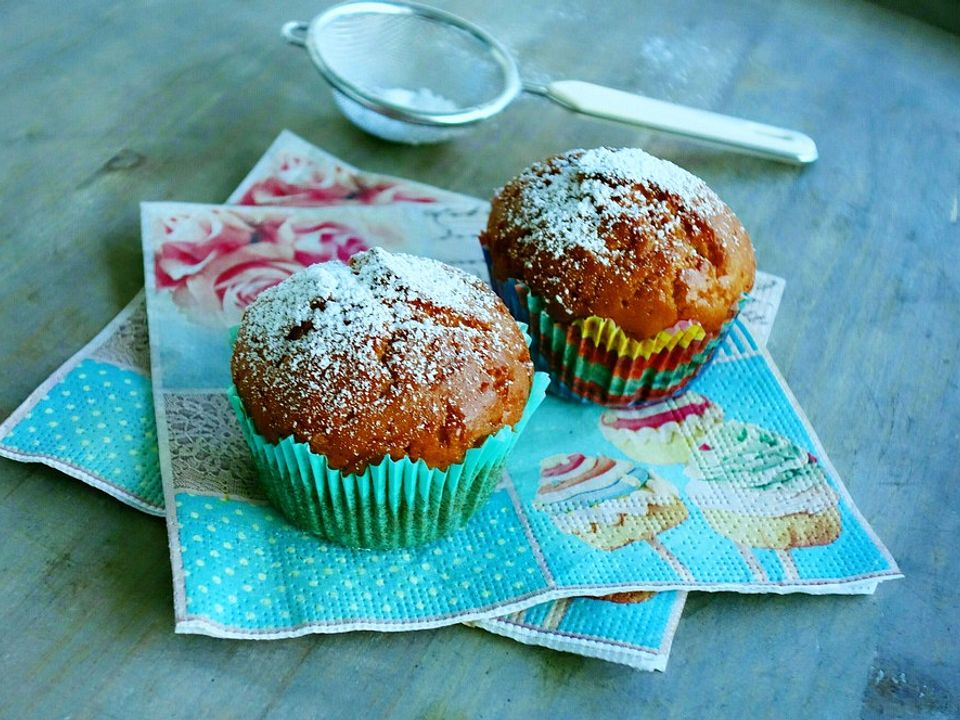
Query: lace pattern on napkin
pixel 128 346
pixel 207 451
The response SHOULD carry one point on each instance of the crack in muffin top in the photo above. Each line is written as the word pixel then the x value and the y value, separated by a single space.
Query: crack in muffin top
pixel 573 199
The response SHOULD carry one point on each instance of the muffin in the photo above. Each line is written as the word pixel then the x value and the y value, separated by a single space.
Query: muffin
pixel 628 269
pixel 381 398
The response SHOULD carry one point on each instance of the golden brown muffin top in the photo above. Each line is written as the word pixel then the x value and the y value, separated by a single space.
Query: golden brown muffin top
pixel 390 355
pixel 623 235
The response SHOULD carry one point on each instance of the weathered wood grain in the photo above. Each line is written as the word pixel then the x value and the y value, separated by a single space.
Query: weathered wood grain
pixel 103 104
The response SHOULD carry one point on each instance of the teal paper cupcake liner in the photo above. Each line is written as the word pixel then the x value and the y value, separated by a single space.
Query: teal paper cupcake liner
pixel 396 503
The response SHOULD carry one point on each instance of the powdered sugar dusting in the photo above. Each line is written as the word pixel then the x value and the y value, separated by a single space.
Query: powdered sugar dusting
pixel 634 166
pixel 400 277
pixel 342 331
pixel 571 201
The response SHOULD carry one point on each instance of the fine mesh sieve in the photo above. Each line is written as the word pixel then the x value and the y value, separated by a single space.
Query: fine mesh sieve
pixel 407 72
pixel 410 73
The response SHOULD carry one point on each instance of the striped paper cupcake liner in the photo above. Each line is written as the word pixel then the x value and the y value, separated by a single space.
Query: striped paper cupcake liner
pixel 396 503
pixel 593 360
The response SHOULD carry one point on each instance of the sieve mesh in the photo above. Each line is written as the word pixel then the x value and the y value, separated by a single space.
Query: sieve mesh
pixel 407 57
pixel 377 52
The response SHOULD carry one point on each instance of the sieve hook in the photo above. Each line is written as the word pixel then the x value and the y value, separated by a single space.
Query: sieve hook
pixel 295 32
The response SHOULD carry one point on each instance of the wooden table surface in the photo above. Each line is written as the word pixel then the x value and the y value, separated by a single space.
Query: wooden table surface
pixel 104 104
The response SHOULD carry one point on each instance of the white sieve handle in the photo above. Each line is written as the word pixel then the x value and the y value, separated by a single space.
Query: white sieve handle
pixel 755 138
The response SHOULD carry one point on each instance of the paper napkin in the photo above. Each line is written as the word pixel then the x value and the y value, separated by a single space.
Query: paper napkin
pixel 524 547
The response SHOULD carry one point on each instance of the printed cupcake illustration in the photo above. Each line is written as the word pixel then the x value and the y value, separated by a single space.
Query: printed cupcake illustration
pixel 662 434
pixel 610 503
pixel 760 490
pixel 628 598
pixel 558 609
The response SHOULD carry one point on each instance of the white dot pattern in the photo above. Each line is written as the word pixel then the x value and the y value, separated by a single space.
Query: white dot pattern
pixel 98 419
pixel 274 574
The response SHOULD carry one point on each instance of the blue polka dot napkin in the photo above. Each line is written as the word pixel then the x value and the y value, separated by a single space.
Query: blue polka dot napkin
pixel 93 418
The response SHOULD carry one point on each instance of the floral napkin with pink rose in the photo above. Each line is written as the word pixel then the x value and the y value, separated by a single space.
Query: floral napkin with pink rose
pixel 92 419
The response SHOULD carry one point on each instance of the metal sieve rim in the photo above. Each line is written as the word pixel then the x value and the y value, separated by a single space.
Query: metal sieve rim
pixel 465 116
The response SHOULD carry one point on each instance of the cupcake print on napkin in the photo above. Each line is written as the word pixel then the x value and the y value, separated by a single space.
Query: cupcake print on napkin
pixel 724 488
pixel 661 434
pixel 762 491
pixel 609 503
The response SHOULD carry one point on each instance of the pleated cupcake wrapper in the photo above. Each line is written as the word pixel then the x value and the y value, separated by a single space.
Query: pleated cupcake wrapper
pixel 594 361
pixel 588 372
pixel 397 503
pixel 608 335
